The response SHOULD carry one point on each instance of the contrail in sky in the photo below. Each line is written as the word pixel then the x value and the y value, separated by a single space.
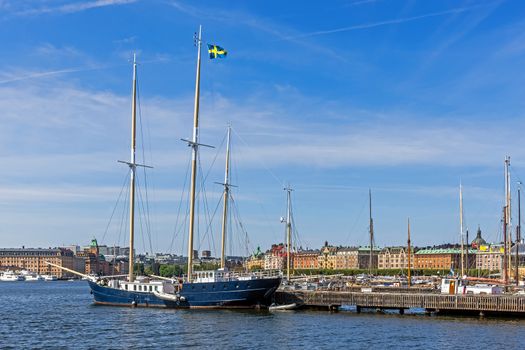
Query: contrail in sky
pixel 73 70
pixel 48 73
pixel 75 7
pixel 382 23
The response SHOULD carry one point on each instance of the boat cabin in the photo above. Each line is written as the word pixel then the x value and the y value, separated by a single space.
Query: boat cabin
pixel 145 286
pixel 452 285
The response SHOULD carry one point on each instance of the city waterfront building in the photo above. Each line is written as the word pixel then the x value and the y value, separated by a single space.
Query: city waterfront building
pixel 395 258
pixel 327 258
pixel 346 258
pixel 478 241
pixel 275 258
pixel 490 257
pixel 364 257
pixel 443 259
pixel 35 260
pixel 255 261
pixel 306 260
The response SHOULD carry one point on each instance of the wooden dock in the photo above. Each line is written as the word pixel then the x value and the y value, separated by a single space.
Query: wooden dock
pixel 501 305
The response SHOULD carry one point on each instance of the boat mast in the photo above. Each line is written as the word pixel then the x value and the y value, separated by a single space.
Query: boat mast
pixel 371 231
pixel 288 229
pixel 409 280
pixel 461 229
pixel 509 218
pixel 194 145
pixel 226 194
pixel 133 168
pixel 518 233
pixel 506 213
pixel 467 245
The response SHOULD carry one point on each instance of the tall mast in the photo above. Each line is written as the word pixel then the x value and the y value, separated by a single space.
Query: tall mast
pixel 461 229
pixel 133 168
pixel 509 217
pixel 226 196
pixel 506 222
pixel 288 229
pixel 467 245
pixel 371 231
pixel 505 272
pixel 518 234
pixel 194 145
pixel 409 280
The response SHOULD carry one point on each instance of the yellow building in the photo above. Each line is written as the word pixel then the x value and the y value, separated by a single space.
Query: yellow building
pixel 327 258
pixel 395 258
pixel 490 257
pixel 347 258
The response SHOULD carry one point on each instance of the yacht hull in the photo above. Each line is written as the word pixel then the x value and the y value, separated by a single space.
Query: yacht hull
pixel 245 294
pixel 104 295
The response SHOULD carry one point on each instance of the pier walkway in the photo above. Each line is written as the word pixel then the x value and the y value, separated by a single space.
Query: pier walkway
pixel 503 304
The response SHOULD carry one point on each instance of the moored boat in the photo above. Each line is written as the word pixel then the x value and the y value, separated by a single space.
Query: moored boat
pixel 135 291
pixel 10 276
pixel 284 307
pixel 31 276
pixel 50 278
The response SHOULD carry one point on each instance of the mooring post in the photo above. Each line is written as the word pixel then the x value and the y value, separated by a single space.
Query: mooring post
pixel 358 309
pixel 401 311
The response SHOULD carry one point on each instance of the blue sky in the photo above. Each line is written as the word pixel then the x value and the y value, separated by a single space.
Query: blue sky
pixel 407 98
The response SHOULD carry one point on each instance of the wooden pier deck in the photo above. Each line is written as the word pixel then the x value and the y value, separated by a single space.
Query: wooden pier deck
pixel 502 305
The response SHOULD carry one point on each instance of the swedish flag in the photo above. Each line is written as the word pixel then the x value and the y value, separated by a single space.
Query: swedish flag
pixel 216 51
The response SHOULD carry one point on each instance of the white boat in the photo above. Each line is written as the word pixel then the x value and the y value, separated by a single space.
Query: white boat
pixel 31 276
pixel 284 307
pixel 451 285
pixel 10 276
pixel 50 278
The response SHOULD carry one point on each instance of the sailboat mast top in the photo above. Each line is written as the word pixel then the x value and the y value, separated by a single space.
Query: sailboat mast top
pixel 194 145
pixel 133 169
pixel 226 195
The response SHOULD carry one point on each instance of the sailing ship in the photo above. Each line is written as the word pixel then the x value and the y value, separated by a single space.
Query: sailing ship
pixel 135 291
pixel 219 288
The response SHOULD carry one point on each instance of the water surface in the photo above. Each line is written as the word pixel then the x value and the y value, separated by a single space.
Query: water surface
pixel 61 315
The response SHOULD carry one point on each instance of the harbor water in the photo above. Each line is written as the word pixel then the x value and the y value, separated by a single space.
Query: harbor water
pixel 61 315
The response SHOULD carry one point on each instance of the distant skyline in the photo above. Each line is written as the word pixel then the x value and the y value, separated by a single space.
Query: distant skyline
pixel 407 98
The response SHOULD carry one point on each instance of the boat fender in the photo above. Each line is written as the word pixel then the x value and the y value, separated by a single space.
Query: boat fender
pixel 133 303
pixel 90 291
pixel 182 298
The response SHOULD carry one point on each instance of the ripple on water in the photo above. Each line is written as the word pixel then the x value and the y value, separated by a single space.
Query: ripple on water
pixel 61 315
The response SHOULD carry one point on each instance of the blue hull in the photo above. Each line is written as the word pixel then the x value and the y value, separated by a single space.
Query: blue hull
pixel 111 296
pixel 230 294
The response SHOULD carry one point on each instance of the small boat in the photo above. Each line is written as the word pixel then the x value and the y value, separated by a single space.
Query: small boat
pixel 284 307
pixel 49 278
pixel 10 276
pixel 33 277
